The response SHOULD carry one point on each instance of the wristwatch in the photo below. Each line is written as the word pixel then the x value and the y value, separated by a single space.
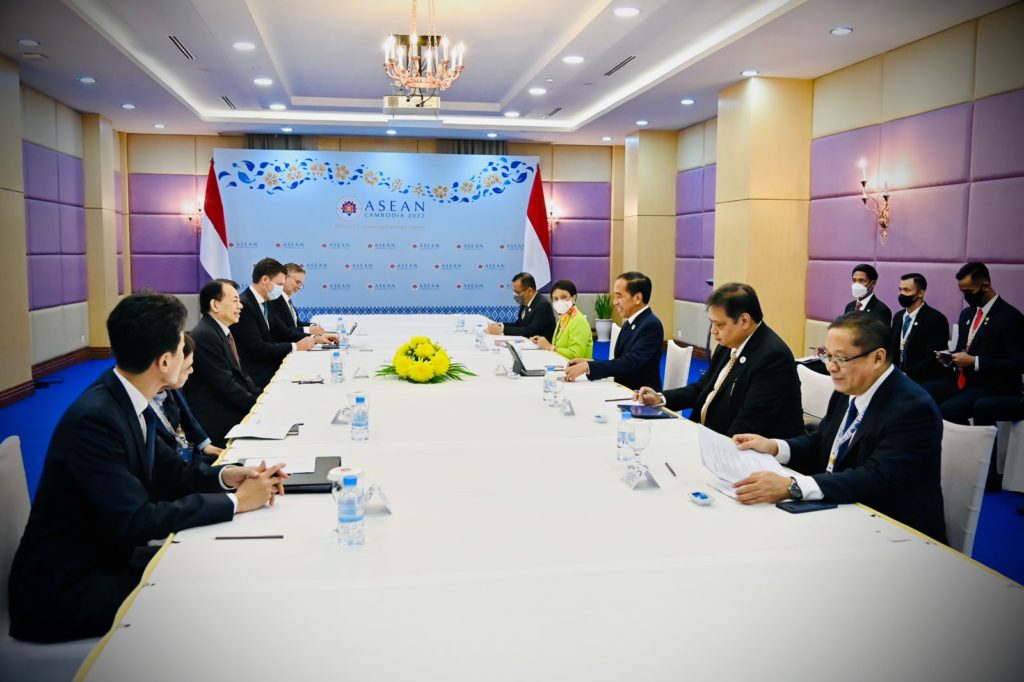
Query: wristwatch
pixel 794 490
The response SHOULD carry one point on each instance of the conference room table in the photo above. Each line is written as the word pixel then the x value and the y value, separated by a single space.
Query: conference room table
pixel 514 551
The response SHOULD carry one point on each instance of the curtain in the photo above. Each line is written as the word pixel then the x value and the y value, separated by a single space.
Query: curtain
pixel 290 142
pixel 484 147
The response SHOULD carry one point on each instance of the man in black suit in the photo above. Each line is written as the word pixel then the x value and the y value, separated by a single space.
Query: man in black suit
pixel 864 278
pixel 879 444
pixel 918 331
pixel 751 385
pixel 176 425
pixel 283 310
pixel 109 486
pixel 988 358
pixel 536 316
pixel 638 349
pixel 220 393
pixel 257 333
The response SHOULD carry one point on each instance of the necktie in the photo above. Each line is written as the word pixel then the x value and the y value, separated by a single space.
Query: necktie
pixel 851 415
pixel 961 377
pixel 234 350
pixel 295 315
pixel 903 337
pixel 859 306
pixel 150 417
pixel 266 312
pixel 718 383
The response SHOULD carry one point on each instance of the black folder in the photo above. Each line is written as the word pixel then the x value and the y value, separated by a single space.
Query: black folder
pixel 315 482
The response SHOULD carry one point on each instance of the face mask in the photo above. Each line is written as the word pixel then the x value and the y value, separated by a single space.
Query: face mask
pixel 907 301
pixel 520 299
pixel 562 307
pixel 859 290
pixel 276 292
pixel 975 299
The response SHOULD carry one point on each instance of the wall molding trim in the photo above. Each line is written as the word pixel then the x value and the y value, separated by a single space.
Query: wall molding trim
pixel 11 395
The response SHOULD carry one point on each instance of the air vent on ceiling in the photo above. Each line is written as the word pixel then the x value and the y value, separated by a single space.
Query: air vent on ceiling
pixel 181 47
pixel 618 66
pixel 231 105
pixel 33 55
pixel 552 112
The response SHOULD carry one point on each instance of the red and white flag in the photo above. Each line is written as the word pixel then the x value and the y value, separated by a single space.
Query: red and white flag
pixel 213 239
pixel 536 241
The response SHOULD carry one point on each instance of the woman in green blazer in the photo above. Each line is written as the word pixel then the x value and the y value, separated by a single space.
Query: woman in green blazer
pixel 572 338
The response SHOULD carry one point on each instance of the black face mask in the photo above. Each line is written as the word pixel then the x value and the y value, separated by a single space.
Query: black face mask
pixel 975 299
pixel 907 301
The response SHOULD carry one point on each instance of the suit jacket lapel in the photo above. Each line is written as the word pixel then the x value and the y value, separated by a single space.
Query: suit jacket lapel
pixel 870 418
pixel 125 403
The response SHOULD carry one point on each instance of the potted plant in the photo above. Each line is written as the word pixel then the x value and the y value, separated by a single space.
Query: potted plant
pixel 603 310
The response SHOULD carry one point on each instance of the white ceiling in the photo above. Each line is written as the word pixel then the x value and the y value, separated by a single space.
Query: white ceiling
pixel 325 58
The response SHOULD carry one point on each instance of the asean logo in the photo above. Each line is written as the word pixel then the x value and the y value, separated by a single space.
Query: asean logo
pixel 348 208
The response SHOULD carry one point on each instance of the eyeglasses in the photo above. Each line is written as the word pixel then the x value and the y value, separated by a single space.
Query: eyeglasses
pixel 840 362
pixel 299 284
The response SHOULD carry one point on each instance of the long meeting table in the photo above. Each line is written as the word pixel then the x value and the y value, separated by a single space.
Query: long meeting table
pixel 515 552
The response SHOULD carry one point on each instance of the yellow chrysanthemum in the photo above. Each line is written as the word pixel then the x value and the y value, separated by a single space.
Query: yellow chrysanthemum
pixel 425 351
pixel 417 340
pixel 440 362
pixel 402 366
pixel 421 371
pixel 401 352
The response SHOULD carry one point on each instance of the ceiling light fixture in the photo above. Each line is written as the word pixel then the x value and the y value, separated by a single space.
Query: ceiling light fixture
pixel 511 114
pixel 686 101
pixel 422 64
pixel 28 42
pixel 749 73
pixel 549 80
pixel 606 138
pixel 264 82
pixel 286 130
pixel 492 135
pixel 86 80
pixel 390 131
pixel 626 12
pixel 159 126
pixel 277 107
pixel 127 106
pixel 538 91
pixel 243 46
pixel 572 59
pixel 641 122
pixel 841 31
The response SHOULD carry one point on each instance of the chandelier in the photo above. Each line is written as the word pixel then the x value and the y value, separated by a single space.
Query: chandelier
pixel 423 65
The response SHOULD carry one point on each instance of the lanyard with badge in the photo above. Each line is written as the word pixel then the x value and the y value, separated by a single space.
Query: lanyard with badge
pixel 842 438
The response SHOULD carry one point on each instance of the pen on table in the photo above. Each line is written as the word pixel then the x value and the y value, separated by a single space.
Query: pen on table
pixel 670 470
pixel 249 537
pixel 618 400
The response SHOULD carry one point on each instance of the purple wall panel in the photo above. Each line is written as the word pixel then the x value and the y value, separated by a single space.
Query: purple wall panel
pixel 997 148
pixel 163 234
pixel 44 282
pixel 70 180
pixel 828 288
pixel 928 149
pixel 166 194
pixel 690 284
pixel 708 235
pixel 1008 281
pixel 943 293
pixel 834 159
pixel 74 286
pixel 39 166
pixel 547 192
pixel 995 226
pixel 689 191
pixel 582 199
pixel 120 274
pixel 72 229
pixel 927 224
pixel 589 274
pixel 42 226
pixel 710 184
pixel 576 237
pixel 170 274
pixel 840 228
pixel 119 232
pixel 689 236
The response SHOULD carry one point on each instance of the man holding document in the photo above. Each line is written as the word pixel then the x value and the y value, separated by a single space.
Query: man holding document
pixel 880 442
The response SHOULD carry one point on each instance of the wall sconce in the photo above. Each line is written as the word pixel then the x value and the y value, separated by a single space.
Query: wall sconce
pixel 194 213
pixel 879 204
pixel 552 218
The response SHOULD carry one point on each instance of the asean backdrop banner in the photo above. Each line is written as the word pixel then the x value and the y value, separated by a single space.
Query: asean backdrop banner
pixel 379 233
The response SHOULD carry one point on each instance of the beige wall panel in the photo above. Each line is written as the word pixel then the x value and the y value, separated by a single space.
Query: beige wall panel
pixel 327 144
pixel 581 163
pixel 205 144
pixel 849 98
pixel 814 336
pixel 616 262
pixel 10 128
pixel 101 253
pixel 656 179
pixel 170 154
pixel 16 360
pixel 76 326
pixel 542 151
pixel 426 146
pixel 691 323
pixel 935 72
pixel 650 248
pixel 376 144
pixel 119 146
pixel 69 131
pixel 733 143
pixel 710 141
pixel 191 302
pixel 780 153
pixel 618 181
pixel 1000 55
pixel 690 147
pixel 38 118
pixel 732 220
pixel 47 327
pixel 630 183
pixel 98 161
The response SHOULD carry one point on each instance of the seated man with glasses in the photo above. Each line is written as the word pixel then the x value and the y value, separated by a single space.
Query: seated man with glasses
pixel 880 442
pixel 290 326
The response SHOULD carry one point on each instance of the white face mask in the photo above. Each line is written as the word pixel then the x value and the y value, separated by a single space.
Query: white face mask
pixel 563 306
pixel 276 292
pixel 859 290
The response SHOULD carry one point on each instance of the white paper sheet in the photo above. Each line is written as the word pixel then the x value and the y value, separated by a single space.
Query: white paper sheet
pixel 722 458
pixel 292 465
pixel 261 428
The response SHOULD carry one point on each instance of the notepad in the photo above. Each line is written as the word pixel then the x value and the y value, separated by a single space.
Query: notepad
pixel 261 428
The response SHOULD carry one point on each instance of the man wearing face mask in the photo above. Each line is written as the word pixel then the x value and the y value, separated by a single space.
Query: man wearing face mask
pixel 256 331
pixel 918 331
pixel 988 358
pixel 864 278
pixel 536 316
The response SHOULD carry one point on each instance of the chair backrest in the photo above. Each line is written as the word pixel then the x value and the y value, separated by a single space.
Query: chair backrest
pixel 677 365
pixel 615 337
pixel 966 451
pixel 14 508
pixel 1011 455
pixel 815 391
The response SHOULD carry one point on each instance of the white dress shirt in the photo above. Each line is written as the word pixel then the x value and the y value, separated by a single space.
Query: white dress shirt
pixel 259 302
pixel 985 309
pixel 291 306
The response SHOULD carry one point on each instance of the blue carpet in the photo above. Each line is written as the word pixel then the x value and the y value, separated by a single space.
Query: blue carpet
pixel 998 544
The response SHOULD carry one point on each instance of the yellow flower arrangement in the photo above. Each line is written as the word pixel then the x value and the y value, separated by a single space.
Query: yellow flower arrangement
pixel 422 361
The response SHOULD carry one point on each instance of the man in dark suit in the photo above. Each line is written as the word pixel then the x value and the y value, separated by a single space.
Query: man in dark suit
pixel 257 333
pixel 638 349
pixel 864 278
pixel 176 425
pixel 988 358
pixel 918 331
pixel 220 393
pixel 879 444
pixel 536 316
pixel 751 385
pixel 283 310
pixel 109 485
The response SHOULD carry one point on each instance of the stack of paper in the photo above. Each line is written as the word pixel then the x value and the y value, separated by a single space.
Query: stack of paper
pixel 261 428
pixel 730 464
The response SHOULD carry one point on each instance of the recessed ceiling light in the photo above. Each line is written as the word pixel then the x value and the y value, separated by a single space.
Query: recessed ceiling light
pixel 128 105
pixel 86 80
pixel 243 45
pixel 28 42
pixel 511 114
pixel 538 91
pixel 572 59
pixel 492 134
pixel 390 131
pixel 263 81
pixel 606 138
pixel 549 80
pixel 159 126
pixel 686 101
pixel 641 122
pixel 278 107
pixel 626 12
pixel 749 73
pixel 286 130
pixel 841 31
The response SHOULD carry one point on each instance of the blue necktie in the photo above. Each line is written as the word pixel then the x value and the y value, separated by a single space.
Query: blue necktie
pixel 266 311
pixel 906 323
pixel 150 417
pixel 851 414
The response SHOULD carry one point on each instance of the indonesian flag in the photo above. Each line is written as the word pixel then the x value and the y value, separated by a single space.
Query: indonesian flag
pixel 536 242
pixel 213 239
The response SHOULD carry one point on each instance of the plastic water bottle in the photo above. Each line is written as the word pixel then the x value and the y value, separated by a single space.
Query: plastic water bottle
pixel 350 513
pixel 337 369
pixel 625 437
pixel 360 419
pixel 481 343
pixel 343 339
pixel 550 385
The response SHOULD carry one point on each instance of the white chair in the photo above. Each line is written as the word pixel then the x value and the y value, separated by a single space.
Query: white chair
pixel 615 337
pixel 966 451
pixel 1010 455
pixel 677 365
pixel 25 661
pixel 815 392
